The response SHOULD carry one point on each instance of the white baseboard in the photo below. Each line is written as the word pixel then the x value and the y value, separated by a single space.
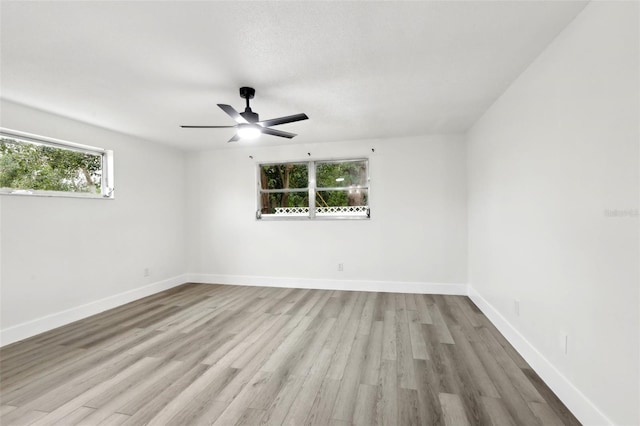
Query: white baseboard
pixel 320 284
pixel 42 324
pixel 581 407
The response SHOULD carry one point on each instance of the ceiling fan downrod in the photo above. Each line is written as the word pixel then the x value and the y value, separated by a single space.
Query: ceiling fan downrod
pixel 248 93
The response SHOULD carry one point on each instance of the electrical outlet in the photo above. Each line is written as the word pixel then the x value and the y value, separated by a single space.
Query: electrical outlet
pixel 516 307
pixel 147 272
pixel 340 267
pixel 564 343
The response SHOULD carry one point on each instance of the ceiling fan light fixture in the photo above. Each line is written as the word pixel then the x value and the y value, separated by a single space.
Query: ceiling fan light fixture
pixel 248 131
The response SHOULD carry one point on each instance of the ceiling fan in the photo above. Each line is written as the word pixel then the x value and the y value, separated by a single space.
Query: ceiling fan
pixel 249 126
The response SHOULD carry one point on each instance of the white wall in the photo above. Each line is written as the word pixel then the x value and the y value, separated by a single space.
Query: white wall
pixel 416 235
pixel 59 254
pixel 558 149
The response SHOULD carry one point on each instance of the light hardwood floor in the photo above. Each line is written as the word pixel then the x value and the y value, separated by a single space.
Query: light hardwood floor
pixel 225 355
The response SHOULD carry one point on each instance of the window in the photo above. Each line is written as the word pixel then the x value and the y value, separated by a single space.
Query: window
pixel 35 165
pixel 316 189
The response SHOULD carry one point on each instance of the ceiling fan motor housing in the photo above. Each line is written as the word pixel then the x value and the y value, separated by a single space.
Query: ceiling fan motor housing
pixel 250 116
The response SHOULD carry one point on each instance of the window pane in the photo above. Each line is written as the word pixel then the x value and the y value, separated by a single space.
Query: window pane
pixel 347 202
pixel 30 166
pixel 285 203
pixel 284 176
pixel 341 174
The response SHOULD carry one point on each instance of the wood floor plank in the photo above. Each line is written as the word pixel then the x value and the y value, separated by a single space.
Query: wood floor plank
pixel 57 375
pixel 30 417
pixel 408 412
pixel 401 307
pixel 497 412
pixel 65 390
pixel 440 325
pixel 204 354
pixel 132 382
pixel 371 369
pixel 422 309
pixel 514 403
pixel 67 408
pixel 350 381
pixel 389 336
pixel 246 350
pixel 387 396
pixel 203 408
pixel 313 348
pixel 255 360
pixel 17 349
pixel 251 333
pixel 365 408
pixel 545 414
pixel 515 356
pixel 470 310
pixel 332 307
pixel 34 362
pixel 128 339
pixel 344 346
pixel 191 393
pixel 304 401
pixel 418 345
pixel 518 378
pixel 154 385
pixel 290 344
pixel 238 405
pixel 453 410
pixel 467 389
pixel 473 365
pixel 406 375
pixel 37 370
pixel 279 407
pixel 320 411
pixel 251 417
pixel 367 314
pixel 551 399
pixel 389 302
pixel 6 409
pixel 318 307
pixel 117 398
pixel 75 418
pixel 144 414
pixel 411 303
pixel 116 419
pixel 429 408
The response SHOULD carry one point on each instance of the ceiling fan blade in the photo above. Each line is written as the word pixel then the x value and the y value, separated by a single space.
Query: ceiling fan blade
pixel 274 132
pixel 235 138
pixel 233 113
pixel 283 120
pixel 206 127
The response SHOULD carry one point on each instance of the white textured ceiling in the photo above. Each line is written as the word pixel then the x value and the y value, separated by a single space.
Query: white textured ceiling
pixel 358 69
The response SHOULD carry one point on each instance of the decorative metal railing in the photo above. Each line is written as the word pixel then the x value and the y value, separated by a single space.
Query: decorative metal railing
pixel 323 211
pixel 291 210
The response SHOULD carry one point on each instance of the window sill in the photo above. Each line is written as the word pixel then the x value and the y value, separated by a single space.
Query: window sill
pixel 307 218
pixel 56 194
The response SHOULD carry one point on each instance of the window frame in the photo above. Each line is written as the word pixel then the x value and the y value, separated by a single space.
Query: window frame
pixel 107 191
pixel 311 189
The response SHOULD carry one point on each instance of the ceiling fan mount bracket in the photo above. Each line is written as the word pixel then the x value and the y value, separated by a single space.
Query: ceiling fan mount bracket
pixel 247 92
